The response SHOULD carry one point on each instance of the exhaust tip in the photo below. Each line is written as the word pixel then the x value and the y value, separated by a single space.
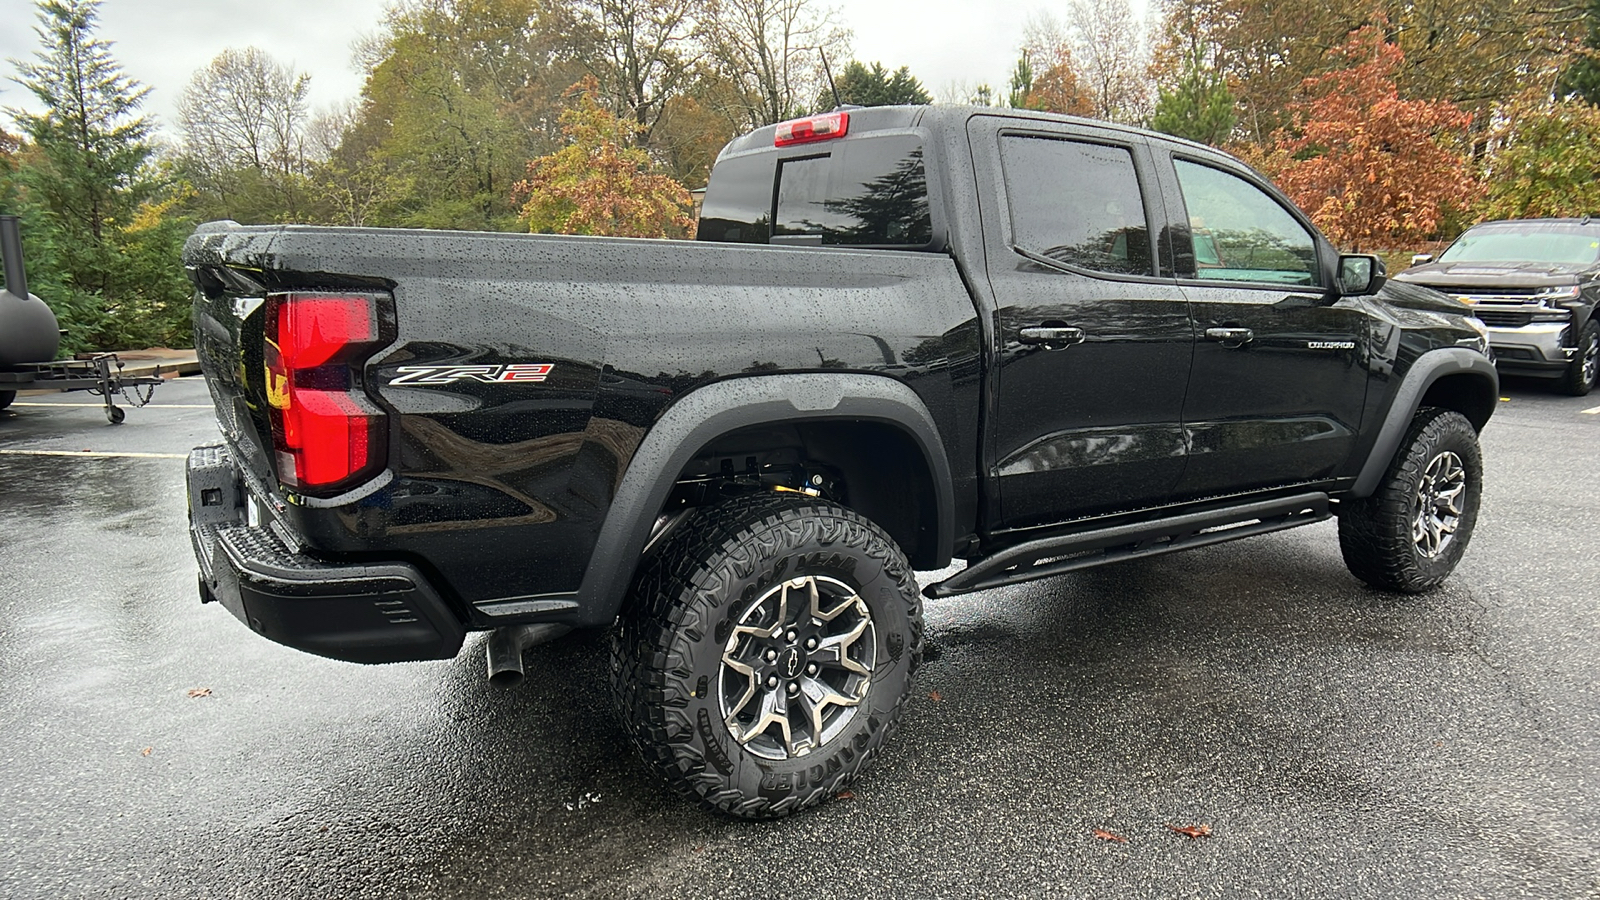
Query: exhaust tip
pixel 506 677
pixel 504 650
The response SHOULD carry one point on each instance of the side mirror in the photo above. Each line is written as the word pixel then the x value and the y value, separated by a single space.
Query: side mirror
pixel 1418 259
pixel 1361 274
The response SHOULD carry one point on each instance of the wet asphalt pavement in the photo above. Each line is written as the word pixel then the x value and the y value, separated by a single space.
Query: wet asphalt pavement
pixel 1338 742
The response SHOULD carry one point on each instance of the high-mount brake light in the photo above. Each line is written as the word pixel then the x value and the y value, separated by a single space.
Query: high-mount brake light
pixel 825 127
pixel 326 433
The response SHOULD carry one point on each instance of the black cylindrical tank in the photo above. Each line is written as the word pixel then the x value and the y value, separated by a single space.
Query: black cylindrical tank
pixel 29 332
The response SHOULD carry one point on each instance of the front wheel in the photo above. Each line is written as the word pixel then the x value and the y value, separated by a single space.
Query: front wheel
pixel 1584 370
pixel 1410 534
pixel 6 397
pixel 767 653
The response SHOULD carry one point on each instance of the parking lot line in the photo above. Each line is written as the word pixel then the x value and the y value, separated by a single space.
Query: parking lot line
pixel 99 454
pixel 1592 412
pixel 102 405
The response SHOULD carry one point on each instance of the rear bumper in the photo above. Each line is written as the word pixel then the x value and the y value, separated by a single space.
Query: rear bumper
pixel 368 613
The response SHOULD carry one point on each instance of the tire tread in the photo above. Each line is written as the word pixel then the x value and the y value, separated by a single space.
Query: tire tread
pixel 1375 531
pixel 671 596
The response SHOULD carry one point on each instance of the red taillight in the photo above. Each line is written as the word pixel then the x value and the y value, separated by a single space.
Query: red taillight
pixel 816 128
pixel 326 433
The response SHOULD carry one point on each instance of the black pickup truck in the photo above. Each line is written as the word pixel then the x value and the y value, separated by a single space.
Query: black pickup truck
pixel 903 336
pixel 1535 283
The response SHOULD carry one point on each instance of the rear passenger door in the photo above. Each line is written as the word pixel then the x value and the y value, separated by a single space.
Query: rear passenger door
pixel 1279 381
pixel 1094 337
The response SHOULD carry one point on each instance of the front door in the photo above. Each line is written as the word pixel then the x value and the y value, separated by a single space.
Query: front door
pixel 1278 383
pixel 1095 339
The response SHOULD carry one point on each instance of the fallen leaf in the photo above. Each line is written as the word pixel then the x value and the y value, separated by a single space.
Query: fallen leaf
pixel 1194 831
pixel 1105 835
pixel 200 692
pixel 845 795
pixel 935 697
pixel 147 751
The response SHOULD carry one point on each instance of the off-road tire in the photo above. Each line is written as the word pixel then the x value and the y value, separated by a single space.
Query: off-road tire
pixel 1376 533
pixel 667 653
pixel 1584 370
pixel 6 397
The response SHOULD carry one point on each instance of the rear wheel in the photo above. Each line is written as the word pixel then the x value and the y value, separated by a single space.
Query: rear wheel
pixel 1410 534
pixel 6 397
pixel 767 653
pixel 1584 370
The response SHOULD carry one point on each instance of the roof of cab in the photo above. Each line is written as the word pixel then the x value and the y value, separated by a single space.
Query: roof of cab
pixel 896 118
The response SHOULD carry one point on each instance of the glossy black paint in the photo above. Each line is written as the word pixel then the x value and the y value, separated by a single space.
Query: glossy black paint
pixel 501 489
pixel 1270 409
pixel 498 493
pixel 1087 427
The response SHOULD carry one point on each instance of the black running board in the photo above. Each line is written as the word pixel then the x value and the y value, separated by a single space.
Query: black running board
pixel 1081 550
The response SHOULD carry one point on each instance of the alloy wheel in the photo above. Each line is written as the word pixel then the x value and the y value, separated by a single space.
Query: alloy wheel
pixel 797 666
pixel 1437 512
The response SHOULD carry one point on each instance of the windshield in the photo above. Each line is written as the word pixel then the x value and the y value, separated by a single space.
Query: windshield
pixel 1568 244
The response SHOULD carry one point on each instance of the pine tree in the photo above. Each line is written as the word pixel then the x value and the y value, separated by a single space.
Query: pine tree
pixel 86 180
pixel 1198 107
pixel 1021 83
pixel 861 85
pixel 1581 78
pixel 92 140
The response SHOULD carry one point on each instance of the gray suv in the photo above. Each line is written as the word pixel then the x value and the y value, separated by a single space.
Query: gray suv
pixel 1535 284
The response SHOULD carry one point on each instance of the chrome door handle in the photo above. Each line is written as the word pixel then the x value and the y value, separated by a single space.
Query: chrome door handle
pixel 1041 334
pixel 1242 335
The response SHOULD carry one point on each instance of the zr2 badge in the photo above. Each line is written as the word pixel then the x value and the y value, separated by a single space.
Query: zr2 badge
pixel 517 373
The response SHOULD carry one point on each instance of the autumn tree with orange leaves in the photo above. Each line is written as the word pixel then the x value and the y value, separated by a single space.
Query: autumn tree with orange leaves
pixel 1372 170
pixel 600 183
pixel 1046 78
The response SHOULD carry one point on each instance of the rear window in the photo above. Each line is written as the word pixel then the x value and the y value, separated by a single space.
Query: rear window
pixel 867 192
pixel 738 203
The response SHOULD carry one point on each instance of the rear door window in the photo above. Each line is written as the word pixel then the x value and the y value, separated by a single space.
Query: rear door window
pixel 1077 202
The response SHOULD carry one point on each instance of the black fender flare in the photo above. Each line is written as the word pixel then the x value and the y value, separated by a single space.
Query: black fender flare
pixel 1428 369
pixel 706 413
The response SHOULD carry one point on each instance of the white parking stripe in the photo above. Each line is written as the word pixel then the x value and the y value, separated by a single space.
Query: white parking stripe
pixel 102 405
pixel 1592 412
pixel 97 454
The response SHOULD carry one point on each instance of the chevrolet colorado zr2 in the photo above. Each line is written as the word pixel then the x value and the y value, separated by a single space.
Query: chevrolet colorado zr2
pixel 903 335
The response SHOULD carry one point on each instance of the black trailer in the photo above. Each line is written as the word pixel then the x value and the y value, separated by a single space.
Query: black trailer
pixel 29 333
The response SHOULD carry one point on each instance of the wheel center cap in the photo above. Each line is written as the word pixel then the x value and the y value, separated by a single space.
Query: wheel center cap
pixel 791 662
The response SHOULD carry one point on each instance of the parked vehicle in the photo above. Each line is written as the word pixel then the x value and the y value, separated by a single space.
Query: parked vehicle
pixel 904 335
pixel 1535 284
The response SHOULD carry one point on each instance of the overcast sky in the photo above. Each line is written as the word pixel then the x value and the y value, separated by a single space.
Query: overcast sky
pixel 162 42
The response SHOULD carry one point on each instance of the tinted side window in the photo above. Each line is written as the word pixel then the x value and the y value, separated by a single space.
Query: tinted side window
pixel 1241 233
pixel 867 192
pixel 738 201
pixel 1077 202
